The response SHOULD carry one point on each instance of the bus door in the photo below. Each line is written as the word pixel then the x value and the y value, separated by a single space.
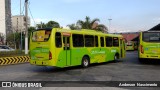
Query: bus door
pixel 122 48
pixel 66 47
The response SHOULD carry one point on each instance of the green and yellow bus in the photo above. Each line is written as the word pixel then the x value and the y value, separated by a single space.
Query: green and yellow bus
pixel 149 45
pixel 130 45
pixel 63 48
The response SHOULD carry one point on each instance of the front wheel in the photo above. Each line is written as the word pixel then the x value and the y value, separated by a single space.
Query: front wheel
pixel 85 62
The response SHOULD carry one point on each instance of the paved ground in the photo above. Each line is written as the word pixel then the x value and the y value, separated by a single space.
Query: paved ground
pixel 128 69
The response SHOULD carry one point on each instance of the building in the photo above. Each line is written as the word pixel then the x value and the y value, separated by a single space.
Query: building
pixel 5 17
pixel 19 22
pixel 130 36
pixel 155 28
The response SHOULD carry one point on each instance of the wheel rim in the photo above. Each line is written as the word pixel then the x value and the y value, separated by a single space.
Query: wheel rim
pixel 115 57
pixel 85 62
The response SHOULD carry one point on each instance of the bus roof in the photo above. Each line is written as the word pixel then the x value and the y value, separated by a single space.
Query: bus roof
pixel 82 31
pixel 152 31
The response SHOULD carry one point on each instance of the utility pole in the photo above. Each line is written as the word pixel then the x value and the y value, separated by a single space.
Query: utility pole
pixel 20 26
pixel 26 34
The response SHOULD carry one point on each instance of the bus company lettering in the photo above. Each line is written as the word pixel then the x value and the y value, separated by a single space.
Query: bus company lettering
pixel 98 52
pixel 113 50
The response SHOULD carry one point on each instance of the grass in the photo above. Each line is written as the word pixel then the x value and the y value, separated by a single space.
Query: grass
pixel 12 53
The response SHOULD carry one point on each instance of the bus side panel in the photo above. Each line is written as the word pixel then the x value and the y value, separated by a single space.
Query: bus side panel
pixel 95 54
pixel 98 55
pixel 110 52
pixel 61 58
pixel 77 55
pixel 124 50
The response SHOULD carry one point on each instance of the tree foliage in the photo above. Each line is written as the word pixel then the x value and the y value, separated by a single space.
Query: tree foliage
pixel 52 24
pixel 92 24
pixel 88 23
pixel 73 26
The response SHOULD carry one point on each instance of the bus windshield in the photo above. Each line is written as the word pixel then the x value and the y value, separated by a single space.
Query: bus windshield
pixel 151 36
pixel 41 35
pixel 129 44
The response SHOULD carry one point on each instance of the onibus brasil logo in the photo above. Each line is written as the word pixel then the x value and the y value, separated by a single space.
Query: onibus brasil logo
pixel 18 84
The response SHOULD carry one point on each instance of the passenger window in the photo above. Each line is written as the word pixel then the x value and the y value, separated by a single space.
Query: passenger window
pixel 58 40
pixel 96 41
pixel 89 41
pixel 102 41
pixel 78 40
pixel 108 41
pixel 115 41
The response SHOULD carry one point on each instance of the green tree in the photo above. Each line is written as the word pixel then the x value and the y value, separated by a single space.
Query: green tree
pixel 53 24
pixel 102 28
pixel 1 38
pixel 14 39
pixel 73 26
pixel 31 29
pixel 88 23
pixel 92 24
pixel 41 25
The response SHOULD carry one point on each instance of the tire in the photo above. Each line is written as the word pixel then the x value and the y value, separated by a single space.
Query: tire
pixel 115 57
pixel 141 60
pixel 85 62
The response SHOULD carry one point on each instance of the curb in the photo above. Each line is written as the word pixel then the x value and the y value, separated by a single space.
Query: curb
pixel 14 60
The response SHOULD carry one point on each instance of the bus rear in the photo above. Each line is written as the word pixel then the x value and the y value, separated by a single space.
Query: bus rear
pixel 149 45
pixel 40 50
pixel 130 46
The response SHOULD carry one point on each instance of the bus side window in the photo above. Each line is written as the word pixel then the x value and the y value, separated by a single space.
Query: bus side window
pixel 58 40
pixel 102 41
pixel 115 42
pixel 89 41
pixel 108 41
pixel 78 40
pixel 96 41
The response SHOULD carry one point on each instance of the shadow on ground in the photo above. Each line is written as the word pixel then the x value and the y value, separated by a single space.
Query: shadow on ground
pixel 55 69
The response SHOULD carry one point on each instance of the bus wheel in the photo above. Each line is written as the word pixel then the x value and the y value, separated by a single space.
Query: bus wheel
pixel 141 60
pixel 85 62
pixel 115 57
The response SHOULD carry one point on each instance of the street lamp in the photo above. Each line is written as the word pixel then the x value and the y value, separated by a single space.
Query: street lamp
pixel 109 25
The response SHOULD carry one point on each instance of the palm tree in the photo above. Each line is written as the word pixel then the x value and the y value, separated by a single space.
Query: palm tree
pixel 52 24
pixel 73 26
pixel 102 28
pixel 92 24
pixel 87 24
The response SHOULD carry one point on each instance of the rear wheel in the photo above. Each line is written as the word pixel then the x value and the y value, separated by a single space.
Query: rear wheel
pixel 141 60
pixel 85 62
pixel 116 57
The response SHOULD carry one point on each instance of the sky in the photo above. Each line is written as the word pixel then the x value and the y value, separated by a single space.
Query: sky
pixel 126 15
